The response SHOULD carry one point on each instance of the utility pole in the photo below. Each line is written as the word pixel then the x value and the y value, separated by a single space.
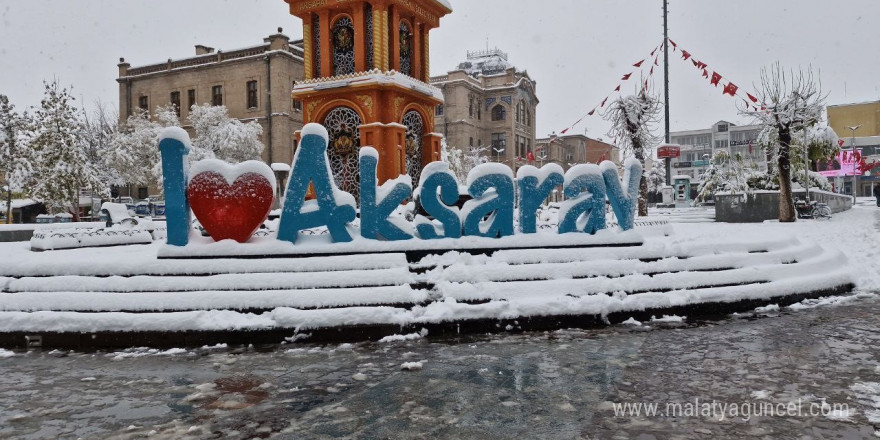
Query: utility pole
pixel 668 160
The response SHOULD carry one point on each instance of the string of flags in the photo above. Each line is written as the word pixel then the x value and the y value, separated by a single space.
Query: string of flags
pixel 655 54
pixel 715 79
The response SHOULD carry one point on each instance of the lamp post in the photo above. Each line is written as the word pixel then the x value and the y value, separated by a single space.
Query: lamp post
pixel 855 177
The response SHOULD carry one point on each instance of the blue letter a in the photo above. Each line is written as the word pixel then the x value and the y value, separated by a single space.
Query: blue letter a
pixel 333 207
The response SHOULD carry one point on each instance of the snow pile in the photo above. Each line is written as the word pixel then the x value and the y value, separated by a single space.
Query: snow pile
pixel 49 239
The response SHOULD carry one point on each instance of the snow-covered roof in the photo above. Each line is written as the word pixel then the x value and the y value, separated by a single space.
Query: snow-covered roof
pixel 485 62
pixel 445 4
pixel 18 203
pixel 374 76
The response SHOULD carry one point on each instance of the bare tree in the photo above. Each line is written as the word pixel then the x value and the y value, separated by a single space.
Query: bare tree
pixel 633 119
pixel 791 102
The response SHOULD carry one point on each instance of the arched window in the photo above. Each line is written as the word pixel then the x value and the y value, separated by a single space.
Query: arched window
pixel 519 111
pixel 405 49
pixel 499 113
pixel 343 47
pixel 345 140
pixel 415 127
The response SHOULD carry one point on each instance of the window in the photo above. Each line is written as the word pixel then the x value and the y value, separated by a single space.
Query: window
pixel 439 110
pixel 479 142
pixel 191 98
pixel 297 105
pixel 471 106
pixel 499 142
pixel 720 145
pixel 143 192
pixel 499 113
pixel 144 103
pixel 479 113
pixel 175 101
pixel 217 95
pixel 252 94
pixel 722 128
pixel 471 142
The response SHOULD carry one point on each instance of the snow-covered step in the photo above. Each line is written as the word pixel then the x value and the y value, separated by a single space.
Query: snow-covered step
pixel 226 282
pixel 151 266
pixel 140 302
pixel 491 270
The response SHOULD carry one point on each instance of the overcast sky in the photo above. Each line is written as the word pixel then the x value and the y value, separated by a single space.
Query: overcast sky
pixel 576 50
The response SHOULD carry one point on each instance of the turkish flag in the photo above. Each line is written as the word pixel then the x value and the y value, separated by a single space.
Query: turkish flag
pixel 652 71
pixel 655 61
pixel 701 65
pixel 654 51
pixel 626 77
pixel 674 46
pixel 639 64
pixel 730 89
pixel 531 156
pixel 617 89
pixel 755 100
pixel 715 79
pixel 857 156
pixel 564 131
pixel 705 73
pixel 685 54
pixel 589 114
pixel 604 101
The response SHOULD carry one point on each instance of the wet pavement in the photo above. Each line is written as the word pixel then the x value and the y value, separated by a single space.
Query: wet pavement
pixel 565 384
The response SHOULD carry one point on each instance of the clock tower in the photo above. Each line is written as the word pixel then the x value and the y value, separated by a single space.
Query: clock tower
pixel 366 80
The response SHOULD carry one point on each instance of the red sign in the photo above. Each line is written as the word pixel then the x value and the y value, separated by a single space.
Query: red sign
pixel 668 151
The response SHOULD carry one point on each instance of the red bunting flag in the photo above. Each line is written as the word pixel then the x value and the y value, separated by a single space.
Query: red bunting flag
pixel 696 64
pixel 531 156
pixel 652 71
pixel 646 85
pixel 564 131
pixel 715 79
pixel 674 46
pixel 752 97
pixel 626 77
pixel 655 61
pixel 701 65
pixel 591 112
pixel 604 101
pixel 840 142
pixel 639 64
pixel 654 51
pixel 705 73
pixel 730 89
pixel 685 54
pixel 618 88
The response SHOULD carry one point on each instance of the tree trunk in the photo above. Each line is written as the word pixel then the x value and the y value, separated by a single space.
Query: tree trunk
pixel 786 203
pixel 643 197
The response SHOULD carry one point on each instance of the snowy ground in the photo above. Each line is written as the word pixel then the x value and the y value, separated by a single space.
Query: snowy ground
pixel 562 384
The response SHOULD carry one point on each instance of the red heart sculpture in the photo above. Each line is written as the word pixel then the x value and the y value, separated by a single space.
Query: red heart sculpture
pixel 230 211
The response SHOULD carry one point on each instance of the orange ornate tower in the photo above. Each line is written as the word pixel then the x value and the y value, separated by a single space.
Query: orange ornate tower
pixel 366 72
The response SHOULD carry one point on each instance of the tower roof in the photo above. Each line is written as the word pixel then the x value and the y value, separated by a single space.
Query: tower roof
pixel 485 62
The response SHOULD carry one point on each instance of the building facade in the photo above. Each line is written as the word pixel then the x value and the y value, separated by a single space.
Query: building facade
pixel 254 83
pixel 866 115
pixel 488 103
pixel 699 146
pixel 571 150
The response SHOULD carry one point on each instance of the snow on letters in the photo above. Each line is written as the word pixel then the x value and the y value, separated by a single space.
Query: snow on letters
pixel 489 212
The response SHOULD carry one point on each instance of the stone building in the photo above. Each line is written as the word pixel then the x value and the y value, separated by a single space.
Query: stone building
pixel 488 103
pixel 699 146
pixel 570 150
pixel 254 83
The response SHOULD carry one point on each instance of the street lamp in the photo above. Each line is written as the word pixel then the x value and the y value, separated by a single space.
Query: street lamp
pixel 853 145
